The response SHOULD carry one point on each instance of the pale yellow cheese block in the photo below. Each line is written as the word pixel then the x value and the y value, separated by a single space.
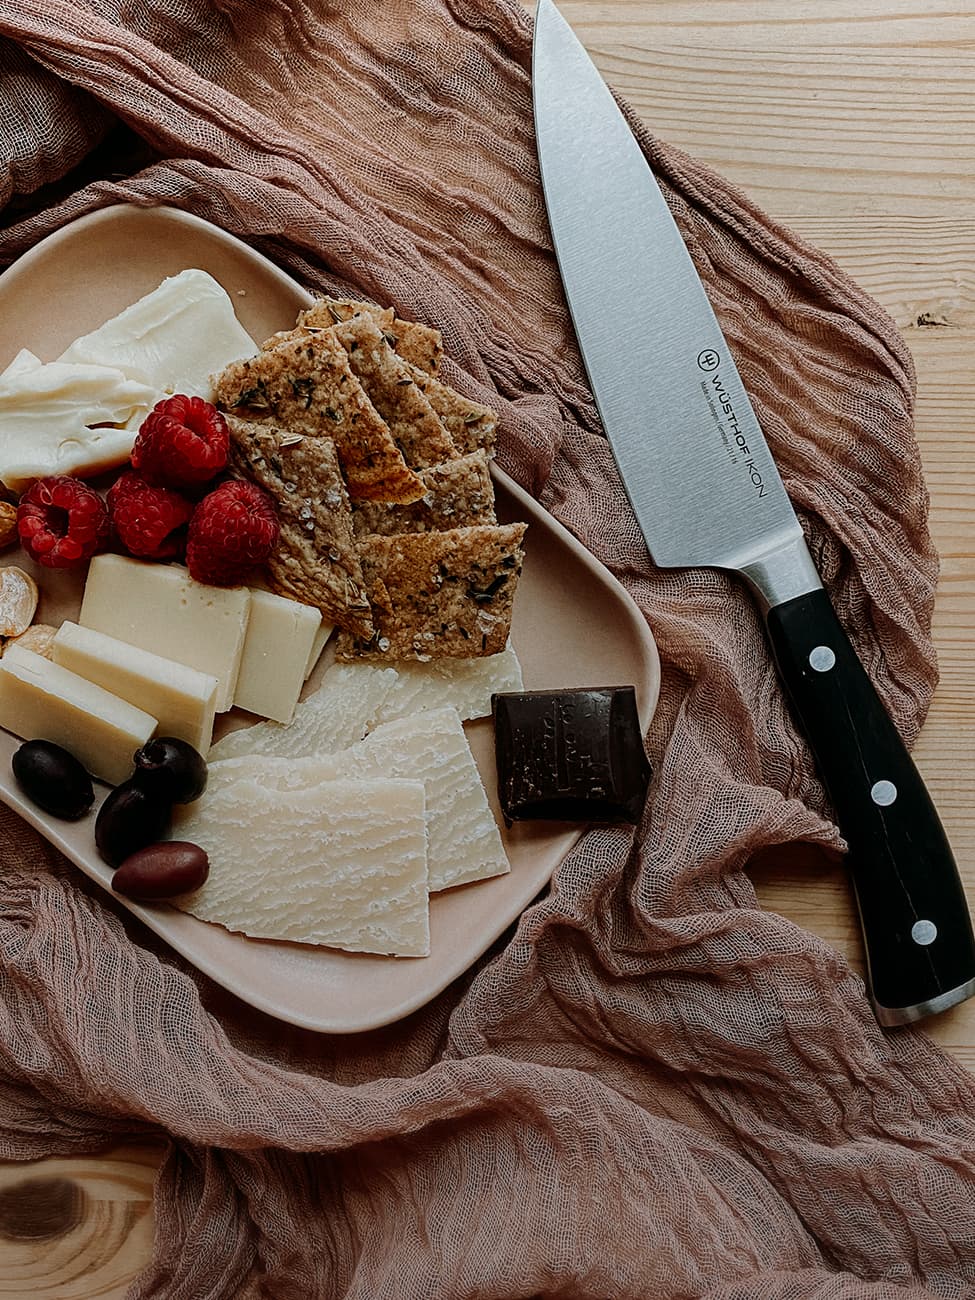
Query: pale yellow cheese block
pixel 463 841
pixel 159 607
pixel 277 647
pixel 182 699
pixel 317 646
pixel 341 864
pixel 335 716
pixel 41 700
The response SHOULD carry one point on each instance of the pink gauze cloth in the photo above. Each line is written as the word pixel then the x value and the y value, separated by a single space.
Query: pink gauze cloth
pixel 651 1088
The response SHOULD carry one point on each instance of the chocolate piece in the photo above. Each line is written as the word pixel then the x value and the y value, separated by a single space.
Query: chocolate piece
pixel 572 755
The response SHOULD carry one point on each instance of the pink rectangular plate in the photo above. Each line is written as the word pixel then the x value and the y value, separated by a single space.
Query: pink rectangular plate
pixel 574 625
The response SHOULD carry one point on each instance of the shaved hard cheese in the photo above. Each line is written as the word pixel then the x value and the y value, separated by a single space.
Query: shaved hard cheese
pixel 340 864
pixel 465 684
pixel 337 715
pixel 463 841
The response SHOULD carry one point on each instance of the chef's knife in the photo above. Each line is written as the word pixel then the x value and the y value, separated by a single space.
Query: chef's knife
pixel 705 491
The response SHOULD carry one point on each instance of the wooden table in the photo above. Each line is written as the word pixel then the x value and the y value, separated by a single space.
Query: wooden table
pixel 852 121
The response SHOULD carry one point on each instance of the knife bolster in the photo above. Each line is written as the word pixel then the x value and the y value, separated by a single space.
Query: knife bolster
pixel 781 573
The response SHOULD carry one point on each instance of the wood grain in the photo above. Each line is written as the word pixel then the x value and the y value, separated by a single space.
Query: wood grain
pixel 76 1229
pixel 851 121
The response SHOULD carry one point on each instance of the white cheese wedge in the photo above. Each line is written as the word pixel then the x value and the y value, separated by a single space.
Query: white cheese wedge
pixel 159 607
pixel 341 864
pixel 182 699
pixel 47 414
pixel 334 717
pixel 463 841
pixel 24 361
pixel 317 646
pixel 173 339
pixel 280 636
pixel 465 684
pixel 41 700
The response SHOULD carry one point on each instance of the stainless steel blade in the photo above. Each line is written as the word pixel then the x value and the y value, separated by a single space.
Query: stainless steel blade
pixel 699 474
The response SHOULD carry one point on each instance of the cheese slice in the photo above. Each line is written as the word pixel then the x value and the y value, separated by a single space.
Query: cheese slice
pixel 159 607
pixel 172 339
pixel 341 864
pixel 317 646
pixel 463 841
pixel 24 361
pixel 182 699
pixel 334 717
pixel 278 645
pixel 465 684
pixel 64 418
pixel 41 700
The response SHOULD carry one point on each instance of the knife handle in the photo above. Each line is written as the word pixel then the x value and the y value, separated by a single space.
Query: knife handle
pixel 916 926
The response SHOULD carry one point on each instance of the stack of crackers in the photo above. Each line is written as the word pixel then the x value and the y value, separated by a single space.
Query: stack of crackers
pixel 380 472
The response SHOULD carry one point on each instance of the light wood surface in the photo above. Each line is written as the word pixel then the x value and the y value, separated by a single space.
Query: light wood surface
pixel 853 122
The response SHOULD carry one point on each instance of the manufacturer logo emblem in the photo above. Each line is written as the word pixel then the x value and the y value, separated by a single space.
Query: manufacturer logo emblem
pixel 708 360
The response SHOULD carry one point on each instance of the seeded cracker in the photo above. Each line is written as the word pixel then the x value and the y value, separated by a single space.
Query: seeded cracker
pixel 420 345
pixel 469 424
pixel 315 559
pixel 459 494
pixel 415 426
pixel 303 383
pixel 438 595
pixel 329 311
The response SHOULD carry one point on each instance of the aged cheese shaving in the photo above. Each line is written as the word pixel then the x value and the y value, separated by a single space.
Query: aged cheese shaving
pixel 465 684
pixel 340 864
pixel 463 842
pixel 338 714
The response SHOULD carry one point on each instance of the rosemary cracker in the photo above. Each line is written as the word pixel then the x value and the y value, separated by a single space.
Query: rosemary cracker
pixel 415 426
pixel 469 424
pixel 438 594
pixel 315 558
pixel 459 493
pixel 420 345
pixel 303 383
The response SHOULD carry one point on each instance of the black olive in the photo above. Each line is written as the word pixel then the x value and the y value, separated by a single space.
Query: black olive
pixel 129 819
pixel 53 779
pixel 172 767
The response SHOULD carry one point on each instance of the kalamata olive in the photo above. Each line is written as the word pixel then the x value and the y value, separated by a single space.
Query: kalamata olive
pixel 53 779
pixel 129 819
pixel 173 767
pixel 162 870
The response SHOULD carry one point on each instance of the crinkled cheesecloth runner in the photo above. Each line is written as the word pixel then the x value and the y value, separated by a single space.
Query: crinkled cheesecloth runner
pixel 651 1088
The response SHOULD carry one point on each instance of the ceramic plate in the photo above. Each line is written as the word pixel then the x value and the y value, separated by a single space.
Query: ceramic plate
pixel 573 625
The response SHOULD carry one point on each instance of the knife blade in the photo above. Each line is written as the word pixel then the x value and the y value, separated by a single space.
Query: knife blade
pixel 705 491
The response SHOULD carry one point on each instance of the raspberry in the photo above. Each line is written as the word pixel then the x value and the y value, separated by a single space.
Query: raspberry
pixel 233 529
pixel 62 522
pixel 150 521
pixel 183 441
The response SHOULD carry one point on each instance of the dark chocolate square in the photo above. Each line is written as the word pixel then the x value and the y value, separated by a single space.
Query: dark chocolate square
pixel 574 755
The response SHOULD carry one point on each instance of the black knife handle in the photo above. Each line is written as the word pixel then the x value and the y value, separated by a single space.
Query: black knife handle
pixel 916 926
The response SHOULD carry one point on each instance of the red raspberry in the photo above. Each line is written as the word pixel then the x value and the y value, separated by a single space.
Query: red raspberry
pixel 182 442
pixel 233 529
pixel 62 522
pixel 150 521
